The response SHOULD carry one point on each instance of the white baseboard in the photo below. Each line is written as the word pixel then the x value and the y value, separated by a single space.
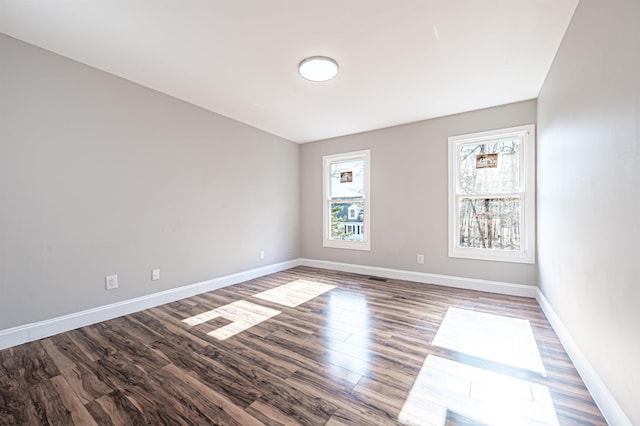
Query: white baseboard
pixel 611 411
pixel 41 329
pixel 422 277
pixel 601 394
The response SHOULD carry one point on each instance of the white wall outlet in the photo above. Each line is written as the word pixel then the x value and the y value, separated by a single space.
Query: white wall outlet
pixel 261 254
pixel 420 259
pixel 111 282
pixel 155 274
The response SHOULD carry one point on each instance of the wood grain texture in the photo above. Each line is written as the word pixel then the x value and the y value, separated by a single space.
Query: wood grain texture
pixel 349 356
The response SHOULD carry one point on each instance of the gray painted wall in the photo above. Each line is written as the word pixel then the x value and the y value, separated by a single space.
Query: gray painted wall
pixel 589 191
pixel 101 176
pixel 408 195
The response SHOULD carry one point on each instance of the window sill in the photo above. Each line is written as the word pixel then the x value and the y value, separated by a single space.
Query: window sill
pixel 492 255
pixel 349 245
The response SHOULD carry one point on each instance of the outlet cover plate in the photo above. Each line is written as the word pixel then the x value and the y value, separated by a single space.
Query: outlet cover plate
pixel 111 282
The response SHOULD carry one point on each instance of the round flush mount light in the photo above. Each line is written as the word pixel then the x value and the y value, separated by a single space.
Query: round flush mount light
pixel 318 68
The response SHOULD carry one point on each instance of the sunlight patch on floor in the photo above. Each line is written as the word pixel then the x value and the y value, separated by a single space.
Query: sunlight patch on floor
pixel 294 293
pixel 481 395
pixel 243 314
pixel 496 338
pixel 348 318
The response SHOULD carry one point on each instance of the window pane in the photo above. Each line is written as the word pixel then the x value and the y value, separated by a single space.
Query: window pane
pixel 347 220
pixel 491 223
pixel 489 167
pixel 347 179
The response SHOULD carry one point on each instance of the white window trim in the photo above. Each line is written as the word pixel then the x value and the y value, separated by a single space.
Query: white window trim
pixel 364 155
pixel 527 178
pixel 352 213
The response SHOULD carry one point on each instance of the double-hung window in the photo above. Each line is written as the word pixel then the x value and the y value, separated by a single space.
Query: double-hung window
pixel 492 195
pixel 346 200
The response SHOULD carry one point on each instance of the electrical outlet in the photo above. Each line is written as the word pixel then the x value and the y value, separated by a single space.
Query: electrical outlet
pixel 111 282
pixel 261 254
pixel 155 274
pixel 420 259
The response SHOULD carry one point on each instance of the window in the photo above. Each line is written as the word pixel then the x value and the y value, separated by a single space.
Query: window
pixel 353 211
pixel 346 200
pixel 492 195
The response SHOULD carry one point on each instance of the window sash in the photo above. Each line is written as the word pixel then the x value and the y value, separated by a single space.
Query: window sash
pixel 486 222
pixel 362 228
pixel 348 221
pixel 525 193
pixel 521 167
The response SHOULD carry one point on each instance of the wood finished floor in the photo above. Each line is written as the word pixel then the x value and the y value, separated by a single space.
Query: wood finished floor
pixel 349 356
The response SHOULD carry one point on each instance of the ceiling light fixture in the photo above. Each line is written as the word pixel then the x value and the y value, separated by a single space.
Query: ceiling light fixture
pixel 318 68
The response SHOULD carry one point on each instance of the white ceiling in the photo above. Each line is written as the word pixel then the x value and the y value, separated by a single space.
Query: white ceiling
pixel 400 60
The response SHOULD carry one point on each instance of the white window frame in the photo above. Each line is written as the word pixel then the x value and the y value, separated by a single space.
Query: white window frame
pixel 352 213
pixel 527 191
pixel 327 160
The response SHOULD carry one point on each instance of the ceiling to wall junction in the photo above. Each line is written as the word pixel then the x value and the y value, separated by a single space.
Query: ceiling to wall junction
pixel 400 61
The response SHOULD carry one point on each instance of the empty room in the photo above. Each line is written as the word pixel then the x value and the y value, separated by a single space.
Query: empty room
pixel 301 212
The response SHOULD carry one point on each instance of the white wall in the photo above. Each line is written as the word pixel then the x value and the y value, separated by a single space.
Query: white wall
pixel 408 195
pixel 589 191
pixel 102 176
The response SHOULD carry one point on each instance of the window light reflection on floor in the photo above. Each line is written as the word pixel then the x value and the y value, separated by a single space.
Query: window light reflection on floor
pixel 244 314
pixel 294 293
pixel 481 395
pixel 496 338
pixel 348 332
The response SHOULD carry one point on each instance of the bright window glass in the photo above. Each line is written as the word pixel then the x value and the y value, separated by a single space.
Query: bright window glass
pixel 346 200
pixel 492 195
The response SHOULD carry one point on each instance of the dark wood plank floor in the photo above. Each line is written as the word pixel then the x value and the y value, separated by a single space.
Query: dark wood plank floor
pixel 349 356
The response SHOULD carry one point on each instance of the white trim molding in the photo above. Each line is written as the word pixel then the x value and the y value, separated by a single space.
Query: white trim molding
pixel 426 278
pixel 610 408
pixel 365 198
pixel 41 329
pixel 602 396
pixel 525 191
